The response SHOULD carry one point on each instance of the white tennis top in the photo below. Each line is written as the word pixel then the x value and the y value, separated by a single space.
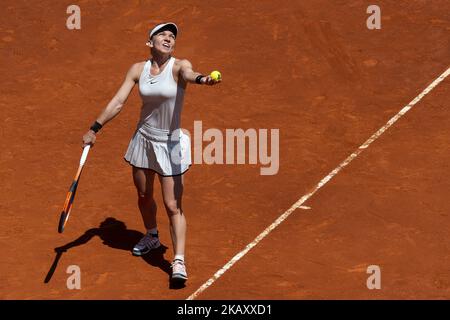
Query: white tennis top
pixel 162 98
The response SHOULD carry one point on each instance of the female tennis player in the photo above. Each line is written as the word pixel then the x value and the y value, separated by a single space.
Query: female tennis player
pixel 158 144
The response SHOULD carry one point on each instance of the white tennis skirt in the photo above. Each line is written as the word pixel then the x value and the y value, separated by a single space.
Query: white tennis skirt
pixel 168 154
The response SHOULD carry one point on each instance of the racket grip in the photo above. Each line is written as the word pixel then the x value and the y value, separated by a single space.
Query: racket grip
pixel 84 155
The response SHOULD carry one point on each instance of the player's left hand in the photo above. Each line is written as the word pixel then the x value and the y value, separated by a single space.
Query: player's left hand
pixel 210 81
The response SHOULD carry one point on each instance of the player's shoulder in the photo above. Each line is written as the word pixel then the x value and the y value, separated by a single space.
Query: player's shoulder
pixel 138 66
pixel 183 63
pixel 136 69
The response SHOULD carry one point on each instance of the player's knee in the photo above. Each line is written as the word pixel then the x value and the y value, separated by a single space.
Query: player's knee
pixel 172 207
pixel 145 195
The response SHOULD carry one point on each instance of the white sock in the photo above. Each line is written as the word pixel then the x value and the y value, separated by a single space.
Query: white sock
pixel 179 257
pixel 153 231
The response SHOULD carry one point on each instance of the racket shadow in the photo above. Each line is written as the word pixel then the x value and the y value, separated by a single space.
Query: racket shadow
pixel 114 234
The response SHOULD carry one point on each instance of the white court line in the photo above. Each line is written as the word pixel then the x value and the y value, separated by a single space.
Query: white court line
pixel 322 182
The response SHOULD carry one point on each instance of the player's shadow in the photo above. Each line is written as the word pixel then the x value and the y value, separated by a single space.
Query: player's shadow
pixel 114 233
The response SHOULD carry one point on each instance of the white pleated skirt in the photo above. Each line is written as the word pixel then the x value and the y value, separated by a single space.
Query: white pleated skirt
pixel 169 154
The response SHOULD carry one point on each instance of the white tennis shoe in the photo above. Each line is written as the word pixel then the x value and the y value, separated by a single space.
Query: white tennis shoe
pixel 179 270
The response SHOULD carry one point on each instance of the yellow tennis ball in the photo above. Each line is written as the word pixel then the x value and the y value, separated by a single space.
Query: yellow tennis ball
pixel 216 76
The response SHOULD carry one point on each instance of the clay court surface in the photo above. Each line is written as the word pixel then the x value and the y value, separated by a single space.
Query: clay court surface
pixel 312 69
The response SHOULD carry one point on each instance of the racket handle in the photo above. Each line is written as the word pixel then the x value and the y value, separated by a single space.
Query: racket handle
pixel 84 155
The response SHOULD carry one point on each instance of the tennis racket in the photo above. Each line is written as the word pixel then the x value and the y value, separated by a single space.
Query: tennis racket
pixel 72 190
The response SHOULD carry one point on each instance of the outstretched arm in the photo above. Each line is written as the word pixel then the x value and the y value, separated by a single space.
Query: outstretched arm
pixel 189 75
pixel 115 105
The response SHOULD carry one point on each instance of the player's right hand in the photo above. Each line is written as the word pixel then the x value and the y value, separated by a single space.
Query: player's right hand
pixel 88 139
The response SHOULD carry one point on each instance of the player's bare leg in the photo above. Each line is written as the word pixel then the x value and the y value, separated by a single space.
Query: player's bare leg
pixel 143 180
pixel 172 189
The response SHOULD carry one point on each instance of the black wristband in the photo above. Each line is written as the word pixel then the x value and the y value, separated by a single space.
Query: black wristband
pixel 198 80
pixel 96 127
